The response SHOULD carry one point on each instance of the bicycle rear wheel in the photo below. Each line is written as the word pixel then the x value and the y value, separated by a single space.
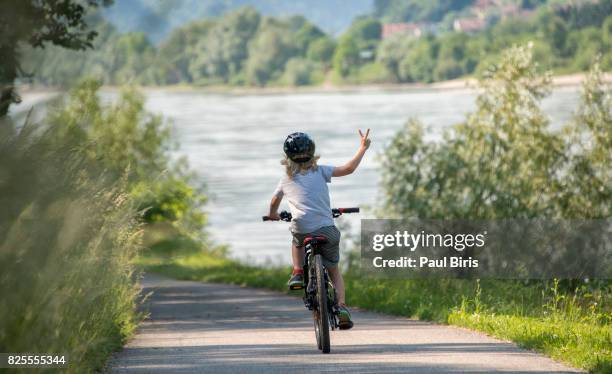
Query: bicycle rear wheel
pixel 320 312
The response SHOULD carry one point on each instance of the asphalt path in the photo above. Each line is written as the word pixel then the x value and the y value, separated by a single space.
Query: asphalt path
pixel 198 327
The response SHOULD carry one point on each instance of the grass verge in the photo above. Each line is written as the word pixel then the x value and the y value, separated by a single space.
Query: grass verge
pixel 579 344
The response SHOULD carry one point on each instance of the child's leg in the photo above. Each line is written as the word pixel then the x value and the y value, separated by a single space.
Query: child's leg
pixel 338 281
pixel 297 256
pixel 296 281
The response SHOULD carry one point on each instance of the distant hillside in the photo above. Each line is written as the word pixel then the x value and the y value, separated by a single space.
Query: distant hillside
pixel 157 18
pixel 439 16
pixel 245 48
pixel 418 10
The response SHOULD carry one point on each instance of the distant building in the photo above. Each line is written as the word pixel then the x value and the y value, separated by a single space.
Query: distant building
pixel 411 29
pixel 469 24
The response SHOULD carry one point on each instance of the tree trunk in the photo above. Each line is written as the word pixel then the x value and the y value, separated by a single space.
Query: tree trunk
pixel 8 73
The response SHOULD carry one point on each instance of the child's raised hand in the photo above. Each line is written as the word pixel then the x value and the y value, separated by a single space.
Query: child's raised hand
pixel 365 142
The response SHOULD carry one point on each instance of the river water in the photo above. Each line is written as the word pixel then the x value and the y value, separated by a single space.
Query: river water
pixel 234 143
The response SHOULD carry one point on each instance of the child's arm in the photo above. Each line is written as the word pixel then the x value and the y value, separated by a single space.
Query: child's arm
pixel 274 204
pixel 351 166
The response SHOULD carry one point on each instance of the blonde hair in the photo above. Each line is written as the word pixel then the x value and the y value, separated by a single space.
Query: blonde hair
pixel 292 167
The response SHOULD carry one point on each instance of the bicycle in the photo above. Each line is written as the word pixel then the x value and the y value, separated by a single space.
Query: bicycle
pixel 319 292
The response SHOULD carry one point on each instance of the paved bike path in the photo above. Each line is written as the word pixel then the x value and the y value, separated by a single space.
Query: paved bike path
pixel 218 328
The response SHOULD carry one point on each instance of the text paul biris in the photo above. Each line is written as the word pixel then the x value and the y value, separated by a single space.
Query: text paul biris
pixel 411 242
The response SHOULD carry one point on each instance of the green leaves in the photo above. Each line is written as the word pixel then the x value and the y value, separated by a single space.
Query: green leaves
pixel 122 136
pixel 504 161
pixel 222 53
pixel 587 188
pixel 173 200
pixel 269 51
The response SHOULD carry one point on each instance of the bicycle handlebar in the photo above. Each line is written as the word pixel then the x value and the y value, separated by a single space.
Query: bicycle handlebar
pixel 345 210
pixel 336 212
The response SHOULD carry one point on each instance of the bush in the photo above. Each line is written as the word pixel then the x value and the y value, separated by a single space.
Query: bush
pixel 121 136
pixel 72 191
pixel 69 236
pixel 500 163
pixel 171 199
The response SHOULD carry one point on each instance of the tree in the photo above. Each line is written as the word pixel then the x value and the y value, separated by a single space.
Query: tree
pixel 391 51
pixel 176 52
pixel 587 188
pixel 356 45
pixel 419 63
pixel 305 35
pixel 555 30
pixel 500 163
pixel 133 55
pixel 366 29
pixel 346 55
pixel 37 22
pixel 321 50
pixel 451 56
pixel 607 30
pixel 222 53
pixel 269 51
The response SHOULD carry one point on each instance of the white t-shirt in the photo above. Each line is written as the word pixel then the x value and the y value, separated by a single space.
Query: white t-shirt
pixel 308 199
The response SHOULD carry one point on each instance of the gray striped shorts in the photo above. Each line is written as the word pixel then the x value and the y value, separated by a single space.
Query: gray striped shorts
pixel 331 249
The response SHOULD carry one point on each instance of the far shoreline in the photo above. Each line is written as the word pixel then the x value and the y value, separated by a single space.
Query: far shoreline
pixel 469 84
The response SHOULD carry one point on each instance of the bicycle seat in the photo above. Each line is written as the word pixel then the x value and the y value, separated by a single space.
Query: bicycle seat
pixel 314 240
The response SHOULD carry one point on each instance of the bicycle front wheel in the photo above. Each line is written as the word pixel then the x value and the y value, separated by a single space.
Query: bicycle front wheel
pixel 320 312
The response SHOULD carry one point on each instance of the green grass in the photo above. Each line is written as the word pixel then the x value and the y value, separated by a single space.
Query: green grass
pixel 579 344
pixel 181 258
pixel 535 316
pixel 570 327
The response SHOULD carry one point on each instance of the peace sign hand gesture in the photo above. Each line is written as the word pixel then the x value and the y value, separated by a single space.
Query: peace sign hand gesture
pixel 365 142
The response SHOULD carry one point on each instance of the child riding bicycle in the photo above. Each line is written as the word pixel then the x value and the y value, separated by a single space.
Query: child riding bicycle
pixel 305 187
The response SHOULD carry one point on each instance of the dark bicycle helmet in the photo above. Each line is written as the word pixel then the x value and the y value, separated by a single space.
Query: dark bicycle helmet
pixel 299 147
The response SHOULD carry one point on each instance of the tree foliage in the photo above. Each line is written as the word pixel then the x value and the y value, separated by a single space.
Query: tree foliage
pixel 269 51
pixel 587 189
pixel 451 55
pixel 37 22
pixel 244 48
pixel 180 50
pixel 504 161
pixel 321 50
pixel 222 53
pixel 417 11
pixel 129 138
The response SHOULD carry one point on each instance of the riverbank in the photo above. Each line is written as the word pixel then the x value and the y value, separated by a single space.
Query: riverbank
pixel 534 317
pixel 456 84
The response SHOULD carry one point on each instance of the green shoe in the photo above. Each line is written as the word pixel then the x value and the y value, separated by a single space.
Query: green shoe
pixel 344 318
pixel 296 282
